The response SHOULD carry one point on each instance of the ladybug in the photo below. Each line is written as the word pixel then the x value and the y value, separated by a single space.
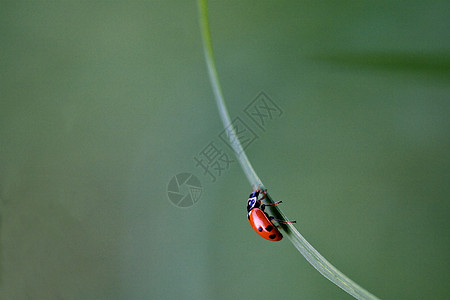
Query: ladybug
pixel 260 220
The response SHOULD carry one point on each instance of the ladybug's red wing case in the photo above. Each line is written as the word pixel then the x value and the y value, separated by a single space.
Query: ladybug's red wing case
pixel 262 225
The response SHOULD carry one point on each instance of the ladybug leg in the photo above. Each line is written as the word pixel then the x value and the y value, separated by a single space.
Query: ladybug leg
pixel 271 218
pixel 282 221
pixel 261 199
pixel 274 204
pixel 264 195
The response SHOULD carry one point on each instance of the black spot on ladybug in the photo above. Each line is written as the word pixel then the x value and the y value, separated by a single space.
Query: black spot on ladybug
pixel 269 228
pixel 260 229
pixel 272 236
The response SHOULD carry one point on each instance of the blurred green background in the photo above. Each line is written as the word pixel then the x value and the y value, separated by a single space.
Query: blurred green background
pixel 103 102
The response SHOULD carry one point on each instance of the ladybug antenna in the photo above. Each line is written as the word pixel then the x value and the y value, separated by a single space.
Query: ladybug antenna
pixel 258 187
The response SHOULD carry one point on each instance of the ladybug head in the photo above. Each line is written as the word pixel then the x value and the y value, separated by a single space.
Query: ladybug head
pixel 253 201
pixel 254 194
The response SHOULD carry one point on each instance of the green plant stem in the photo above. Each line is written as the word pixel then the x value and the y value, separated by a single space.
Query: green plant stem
pixel 218 95
pixel 302 245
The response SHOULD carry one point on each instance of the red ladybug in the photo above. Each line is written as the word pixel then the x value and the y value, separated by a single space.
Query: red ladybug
pixel 260 221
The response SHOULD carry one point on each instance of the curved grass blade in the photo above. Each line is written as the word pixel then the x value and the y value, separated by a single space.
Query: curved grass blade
pixel 302 245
